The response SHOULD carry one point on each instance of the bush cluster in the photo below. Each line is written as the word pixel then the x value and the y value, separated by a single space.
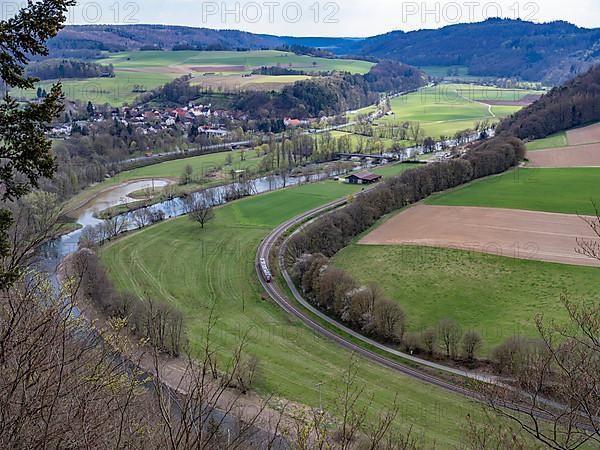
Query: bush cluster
pixel 362 308
pixel 158 322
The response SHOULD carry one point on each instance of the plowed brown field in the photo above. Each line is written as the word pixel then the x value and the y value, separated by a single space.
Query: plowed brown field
pixel 504 232
pixel 587 155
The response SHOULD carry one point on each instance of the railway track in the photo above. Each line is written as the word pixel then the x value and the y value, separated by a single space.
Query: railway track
pixel 291 307
pixel 299 307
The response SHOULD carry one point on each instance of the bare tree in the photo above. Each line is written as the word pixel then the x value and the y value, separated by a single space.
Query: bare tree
pixel 416 132
pixel 558 383
pixel 115 224
pixel 449 334
pixel 35 220
pixel 471 343
pixel 199 209
pixel 141 217
pixel 591 247
pixel 187 175
pixel 560 379
pixel 356 427
pixel 389 320
pixel 429 340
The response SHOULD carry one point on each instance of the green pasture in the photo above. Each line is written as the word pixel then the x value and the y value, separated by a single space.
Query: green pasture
pixel 115 91
pixel 199 269
pixel 555 141
pixel 248 60
pixel 442 71
pixel 440 109
pixel 569 191
pixel 480 93
pixel 496 296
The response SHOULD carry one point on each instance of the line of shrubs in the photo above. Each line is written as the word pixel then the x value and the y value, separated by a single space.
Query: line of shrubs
pixel 366 309
pixel 159 323
pixel 334 231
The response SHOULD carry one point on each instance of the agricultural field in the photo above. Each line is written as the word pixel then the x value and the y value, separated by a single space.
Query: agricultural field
pixel 196 270
pixel 152 69
pixel 555 141
pixel 498 296
pixel 445 71
pixel 183 62
pixel 498 96
pixel 502 232
pixel 431 258
pixel 568 191
pixel 237 82
pixel 578 147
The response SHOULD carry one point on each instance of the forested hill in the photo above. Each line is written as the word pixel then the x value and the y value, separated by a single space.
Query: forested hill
pixel 87 41
pixel 332 95
pixel 574 104
pixel 550 52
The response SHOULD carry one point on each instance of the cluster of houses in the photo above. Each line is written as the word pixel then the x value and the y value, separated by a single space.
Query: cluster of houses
pixel 153 120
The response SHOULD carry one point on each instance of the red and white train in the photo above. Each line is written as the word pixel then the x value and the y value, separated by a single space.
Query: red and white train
pixel 264 269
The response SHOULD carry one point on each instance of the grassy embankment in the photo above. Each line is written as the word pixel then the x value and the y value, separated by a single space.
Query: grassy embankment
pixel 208 170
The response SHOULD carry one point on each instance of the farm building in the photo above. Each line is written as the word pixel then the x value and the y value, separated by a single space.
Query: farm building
pixel 363 178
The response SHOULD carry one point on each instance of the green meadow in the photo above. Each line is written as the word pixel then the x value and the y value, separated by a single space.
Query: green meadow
pixel 496 296
pixel 569 191
pixel 197 270
pixel 555 141
pixel 441 110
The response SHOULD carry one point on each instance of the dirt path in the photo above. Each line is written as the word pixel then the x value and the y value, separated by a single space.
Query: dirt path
pixel 504 232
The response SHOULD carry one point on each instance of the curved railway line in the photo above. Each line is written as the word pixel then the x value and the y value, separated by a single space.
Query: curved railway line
pixel 299 307
pixel 291 307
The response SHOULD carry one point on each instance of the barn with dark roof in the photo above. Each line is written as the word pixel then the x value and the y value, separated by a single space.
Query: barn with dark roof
pixel 363 178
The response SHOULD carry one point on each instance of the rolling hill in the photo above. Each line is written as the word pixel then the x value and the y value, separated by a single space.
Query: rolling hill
pixel 550 52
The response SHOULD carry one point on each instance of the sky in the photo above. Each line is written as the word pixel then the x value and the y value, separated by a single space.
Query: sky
pixel 327 18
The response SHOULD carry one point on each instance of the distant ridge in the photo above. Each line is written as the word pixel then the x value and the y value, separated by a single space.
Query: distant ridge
pixel 551 52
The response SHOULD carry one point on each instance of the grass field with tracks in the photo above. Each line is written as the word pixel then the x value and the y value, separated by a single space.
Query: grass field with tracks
pixel 445 109
pixel 569 191
pixel 440 109
pixel 197 269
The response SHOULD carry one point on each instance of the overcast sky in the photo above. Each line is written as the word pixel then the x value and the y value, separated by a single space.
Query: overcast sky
pixel 325 18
